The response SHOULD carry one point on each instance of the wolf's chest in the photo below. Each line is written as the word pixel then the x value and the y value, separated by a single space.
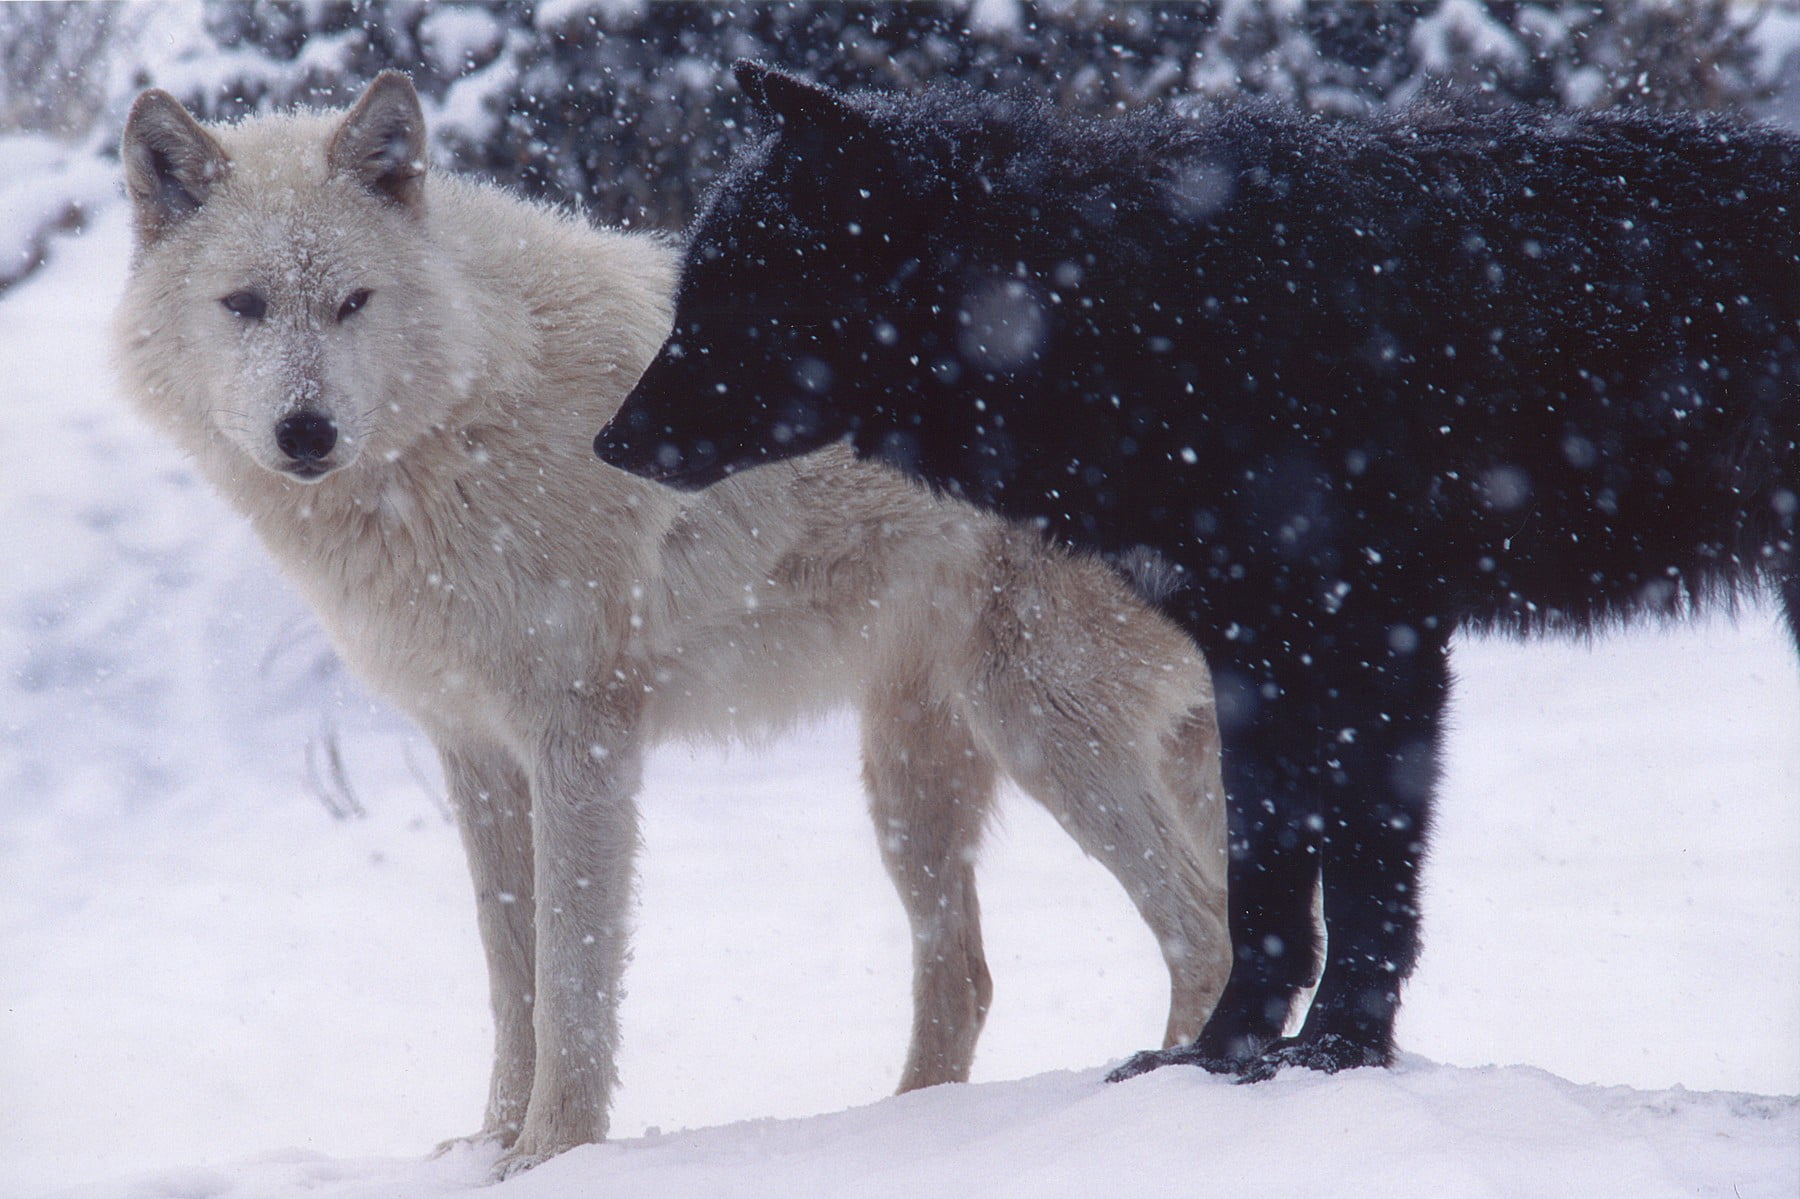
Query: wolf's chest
pixel 464 618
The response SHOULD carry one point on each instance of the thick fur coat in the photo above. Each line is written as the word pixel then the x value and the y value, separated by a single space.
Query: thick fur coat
pixel 1362 383
pixel 396 375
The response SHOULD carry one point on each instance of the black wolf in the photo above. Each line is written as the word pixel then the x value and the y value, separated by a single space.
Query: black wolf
pixel 1362 383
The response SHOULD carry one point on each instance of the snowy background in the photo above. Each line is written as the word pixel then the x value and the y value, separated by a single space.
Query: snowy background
pixel 237 949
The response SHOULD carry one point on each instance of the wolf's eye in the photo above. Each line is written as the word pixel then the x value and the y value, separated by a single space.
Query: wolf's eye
pixel 247 304
pixel 353 303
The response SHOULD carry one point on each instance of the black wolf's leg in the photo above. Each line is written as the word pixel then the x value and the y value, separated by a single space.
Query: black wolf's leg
pixel 1360 735
pixel 1381 780
pixel 1270 766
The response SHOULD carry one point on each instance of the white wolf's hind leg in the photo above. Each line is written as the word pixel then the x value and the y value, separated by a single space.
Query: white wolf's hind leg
pixel 930 790
pixel 493 812
pixel 1110 791
pixel 1192 776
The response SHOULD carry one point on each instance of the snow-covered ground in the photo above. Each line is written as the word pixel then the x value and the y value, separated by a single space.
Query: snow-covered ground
pixel 211 986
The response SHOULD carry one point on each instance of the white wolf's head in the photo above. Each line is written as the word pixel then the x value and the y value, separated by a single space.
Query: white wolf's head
pixel 283 295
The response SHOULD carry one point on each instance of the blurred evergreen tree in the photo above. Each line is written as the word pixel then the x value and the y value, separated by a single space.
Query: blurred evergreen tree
pixel 626 107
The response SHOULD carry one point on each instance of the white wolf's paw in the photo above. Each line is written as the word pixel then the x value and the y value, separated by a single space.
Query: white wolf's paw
pixel 535 1147
pixel 486 1143
pixel 514 1162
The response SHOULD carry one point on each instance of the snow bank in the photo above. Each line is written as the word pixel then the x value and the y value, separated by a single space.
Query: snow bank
pixel 1420 1130
pixel 46 188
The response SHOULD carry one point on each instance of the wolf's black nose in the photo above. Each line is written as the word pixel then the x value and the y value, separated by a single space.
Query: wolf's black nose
pixel 306 436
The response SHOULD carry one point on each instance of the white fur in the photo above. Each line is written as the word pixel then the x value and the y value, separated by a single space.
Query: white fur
pixel 546 618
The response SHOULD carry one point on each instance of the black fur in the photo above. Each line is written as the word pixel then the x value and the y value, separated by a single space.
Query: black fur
pixel 1362 382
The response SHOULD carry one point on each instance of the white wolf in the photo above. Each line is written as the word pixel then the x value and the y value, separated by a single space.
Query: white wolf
pixel 396 377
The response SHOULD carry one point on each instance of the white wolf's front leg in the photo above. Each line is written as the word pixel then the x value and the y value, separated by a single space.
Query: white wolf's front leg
pixel 584 833
pixel 489 794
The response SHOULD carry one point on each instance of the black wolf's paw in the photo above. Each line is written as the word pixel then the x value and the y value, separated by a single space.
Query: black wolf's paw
pixel 1181 1055
pixel 1327 1053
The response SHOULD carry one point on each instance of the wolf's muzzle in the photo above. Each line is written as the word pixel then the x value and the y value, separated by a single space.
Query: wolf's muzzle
pixel 306 437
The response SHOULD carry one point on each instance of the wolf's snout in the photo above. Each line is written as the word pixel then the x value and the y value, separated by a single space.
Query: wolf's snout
pixel 651 457
pixel 628 441
pixel 613 446
pixel 306 437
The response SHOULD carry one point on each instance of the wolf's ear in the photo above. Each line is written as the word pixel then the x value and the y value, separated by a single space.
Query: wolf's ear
pixel 381 143
pixel 796 103
pixel 171 164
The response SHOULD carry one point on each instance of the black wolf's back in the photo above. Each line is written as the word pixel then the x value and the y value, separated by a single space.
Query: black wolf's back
pixel 1550 359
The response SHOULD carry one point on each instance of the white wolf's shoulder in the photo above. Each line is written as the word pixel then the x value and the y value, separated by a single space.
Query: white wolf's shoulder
pixel 568 272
